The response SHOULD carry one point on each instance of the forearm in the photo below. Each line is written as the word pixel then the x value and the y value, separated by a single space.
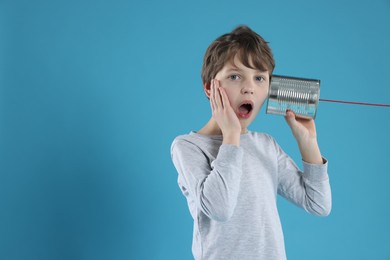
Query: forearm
pixel 310 151
pixel 309 188
pixel 318 199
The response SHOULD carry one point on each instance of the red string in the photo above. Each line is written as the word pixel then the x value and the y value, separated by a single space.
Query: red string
pixel 355 103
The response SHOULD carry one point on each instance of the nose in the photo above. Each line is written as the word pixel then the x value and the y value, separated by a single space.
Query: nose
pixel 247 89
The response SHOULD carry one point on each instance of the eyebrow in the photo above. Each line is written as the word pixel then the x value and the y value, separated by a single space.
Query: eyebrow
pixel 233 68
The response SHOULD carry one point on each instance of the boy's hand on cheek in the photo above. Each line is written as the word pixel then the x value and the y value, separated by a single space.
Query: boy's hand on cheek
pixel 224 114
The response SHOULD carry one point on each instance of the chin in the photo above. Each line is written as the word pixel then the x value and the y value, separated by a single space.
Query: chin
pixel 245 123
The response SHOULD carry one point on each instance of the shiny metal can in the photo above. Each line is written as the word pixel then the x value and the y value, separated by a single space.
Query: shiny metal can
pixel 300 95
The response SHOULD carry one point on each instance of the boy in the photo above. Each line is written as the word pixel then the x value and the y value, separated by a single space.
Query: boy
pixel 230 176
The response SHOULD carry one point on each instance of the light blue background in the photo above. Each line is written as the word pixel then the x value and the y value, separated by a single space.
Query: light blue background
pixel 93 93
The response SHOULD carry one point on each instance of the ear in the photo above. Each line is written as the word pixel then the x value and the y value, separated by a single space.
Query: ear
pixel 206 88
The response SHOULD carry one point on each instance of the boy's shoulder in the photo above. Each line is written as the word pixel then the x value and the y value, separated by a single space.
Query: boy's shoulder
pixel 184 139
pixel 194 138
pixel 189 137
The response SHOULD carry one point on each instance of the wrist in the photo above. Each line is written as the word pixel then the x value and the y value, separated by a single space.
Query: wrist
pixel 310 152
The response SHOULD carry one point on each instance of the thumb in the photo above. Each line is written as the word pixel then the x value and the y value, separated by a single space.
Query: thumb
pixel 290 119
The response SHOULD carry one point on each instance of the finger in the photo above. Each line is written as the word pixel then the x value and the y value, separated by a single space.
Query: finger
pixel 212 100
pixel 217 95
pixel 212 96
pixel 225 99
pixel 290 118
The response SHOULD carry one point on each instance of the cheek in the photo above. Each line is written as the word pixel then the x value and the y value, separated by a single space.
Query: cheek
pixel 230 94
pixel 226 84
pixel 264 93
pixel 264 96
pixel 261 97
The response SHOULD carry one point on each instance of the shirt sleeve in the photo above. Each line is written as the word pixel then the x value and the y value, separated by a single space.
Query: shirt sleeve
pixel 309 189
pixel 212 183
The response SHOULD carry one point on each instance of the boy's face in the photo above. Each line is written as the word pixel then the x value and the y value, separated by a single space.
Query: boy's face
pixel 246 89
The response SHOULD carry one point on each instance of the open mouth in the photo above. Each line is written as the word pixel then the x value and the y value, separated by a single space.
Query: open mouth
pixel 245 109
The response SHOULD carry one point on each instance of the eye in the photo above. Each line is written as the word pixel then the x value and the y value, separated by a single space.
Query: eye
pixel 260 78
pixel 234 77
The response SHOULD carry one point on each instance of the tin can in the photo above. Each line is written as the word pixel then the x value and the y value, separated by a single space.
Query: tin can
pixel 297 94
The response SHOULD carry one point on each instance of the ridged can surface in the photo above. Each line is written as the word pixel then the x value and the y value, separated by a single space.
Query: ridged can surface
pixel 290 93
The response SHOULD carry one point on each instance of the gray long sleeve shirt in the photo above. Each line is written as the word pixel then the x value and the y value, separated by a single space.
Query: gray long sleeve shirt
pixel 231 193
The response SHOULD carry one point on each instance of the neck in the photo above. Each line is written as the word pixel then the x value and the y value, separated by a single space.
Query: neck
pixel 212 128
